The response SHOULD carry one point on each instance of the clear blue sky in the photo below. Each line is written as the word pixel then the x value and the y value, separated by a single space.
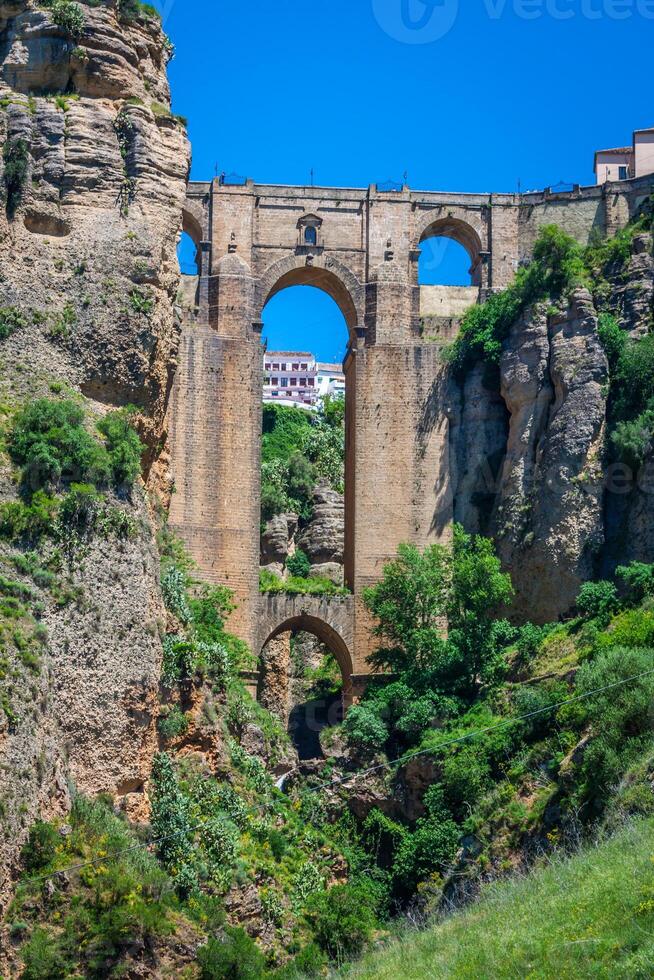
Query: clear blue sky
pixel 274 88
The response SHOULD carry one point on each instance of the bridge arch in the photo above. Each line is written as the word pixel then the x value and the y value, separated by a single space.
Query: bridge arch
pixel 326 274
pixel 329 618
pixel 467 229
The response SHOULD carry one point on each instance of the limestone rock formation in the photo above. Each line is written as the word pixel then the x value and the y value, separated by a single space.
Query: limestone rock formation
pixel 322 539
pixel 94 177
pixel 548 519
pixel 276 542
pixel 89 254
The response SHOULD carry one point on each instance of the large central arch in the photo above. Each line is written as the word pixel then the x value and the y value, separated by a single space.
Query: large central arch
pixel 327 274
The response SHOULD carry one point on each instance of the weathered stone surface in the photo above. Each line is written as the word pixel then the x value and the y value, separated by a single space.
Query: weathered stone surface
pixel 89 258
pixel 275 669
pixel 101 204
pixel 549 517
pixel 323 537
pixel 633 293
pixel 276 541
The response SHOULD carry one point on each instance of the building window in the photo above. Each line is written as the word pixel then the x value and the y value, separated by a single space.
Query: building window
pixel 310 236
pixel 284 382
pixel 303 382
pixel 293 382
pixel 275 367
pixel 623 173
pixel 303 367
pixel 275 382
pixel 312 382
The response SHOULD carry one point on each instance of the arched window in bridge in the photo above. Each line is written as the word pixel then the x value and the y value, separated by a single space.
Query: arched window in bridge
pixel 187 252
pixel 444 262
pixel 309 226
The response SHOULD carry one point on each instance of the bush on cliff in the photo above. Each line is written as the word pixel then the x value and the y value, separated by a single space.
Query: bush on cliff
pixel 557 267
pixel 51 444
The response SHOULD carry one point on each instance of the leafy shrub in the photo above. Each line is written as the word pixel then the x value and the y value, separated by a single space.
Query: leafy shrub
pixel 637 579
pixel 631 441
pixel 171 824
pixel 466 776
pixel 172 725
pixel 621 718
pixel 431 847
pixel 612 338
pixel 11 319
pixel 220 843
pixel 67 15
pixel 634 379
pixel 237 957
pixel 598 600
pixel 173 588
pixel 80 508
pixel 123 445
pixel 299 565
pixel 530 638
pixel 15 155
pixel 19 520
pixel 49 441
pixel 364 728
pixel 41 847
pixel 342 921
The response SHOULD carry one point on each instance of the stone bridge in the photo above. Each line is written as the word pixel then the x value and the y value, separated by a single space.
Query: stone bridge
pixel 330 618
pixel 362 248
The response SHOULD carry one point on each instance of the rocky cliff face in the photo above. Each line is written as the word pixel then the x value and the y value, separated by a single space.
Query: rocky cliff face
pixel 529 445
pixel 321 537
pixel 88 239
pixel 94 172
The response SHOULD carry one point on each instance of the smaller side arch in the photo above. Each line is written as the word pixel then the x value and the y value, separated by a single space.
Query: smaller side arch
pixel 330 619
pixel 325 633
pixel 466 228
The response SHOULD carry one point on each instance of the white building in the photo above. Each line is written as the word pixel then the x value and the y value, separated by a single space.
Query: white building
pixel 330 380
pixel 289 378
pixel 295 378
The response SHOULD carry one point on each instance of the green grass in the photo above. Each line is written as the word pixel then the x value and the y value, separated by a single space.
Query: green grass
pixel 589 916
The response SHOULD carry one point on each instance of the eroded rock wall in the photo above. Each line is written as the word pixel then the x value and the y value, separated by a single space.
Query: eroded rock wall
pixel 529 445
pixel 88 260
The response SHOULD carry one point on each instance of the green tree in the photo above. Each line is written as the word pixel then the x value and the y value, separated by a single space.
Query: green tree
pixel 479 589
pixel 409 604
pixel 237 957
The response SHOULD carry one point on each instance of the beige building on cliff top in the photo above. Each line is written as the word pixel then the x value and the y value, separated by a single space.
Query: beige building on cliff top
pixel 625 162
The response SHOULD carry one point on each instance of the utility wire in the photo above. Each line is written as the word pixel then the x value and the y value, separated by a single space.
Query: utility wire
pixel 330 784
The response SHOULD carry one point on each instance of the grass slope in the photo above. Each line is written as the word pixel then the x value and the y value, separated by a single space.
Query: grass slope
pixel 589 916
